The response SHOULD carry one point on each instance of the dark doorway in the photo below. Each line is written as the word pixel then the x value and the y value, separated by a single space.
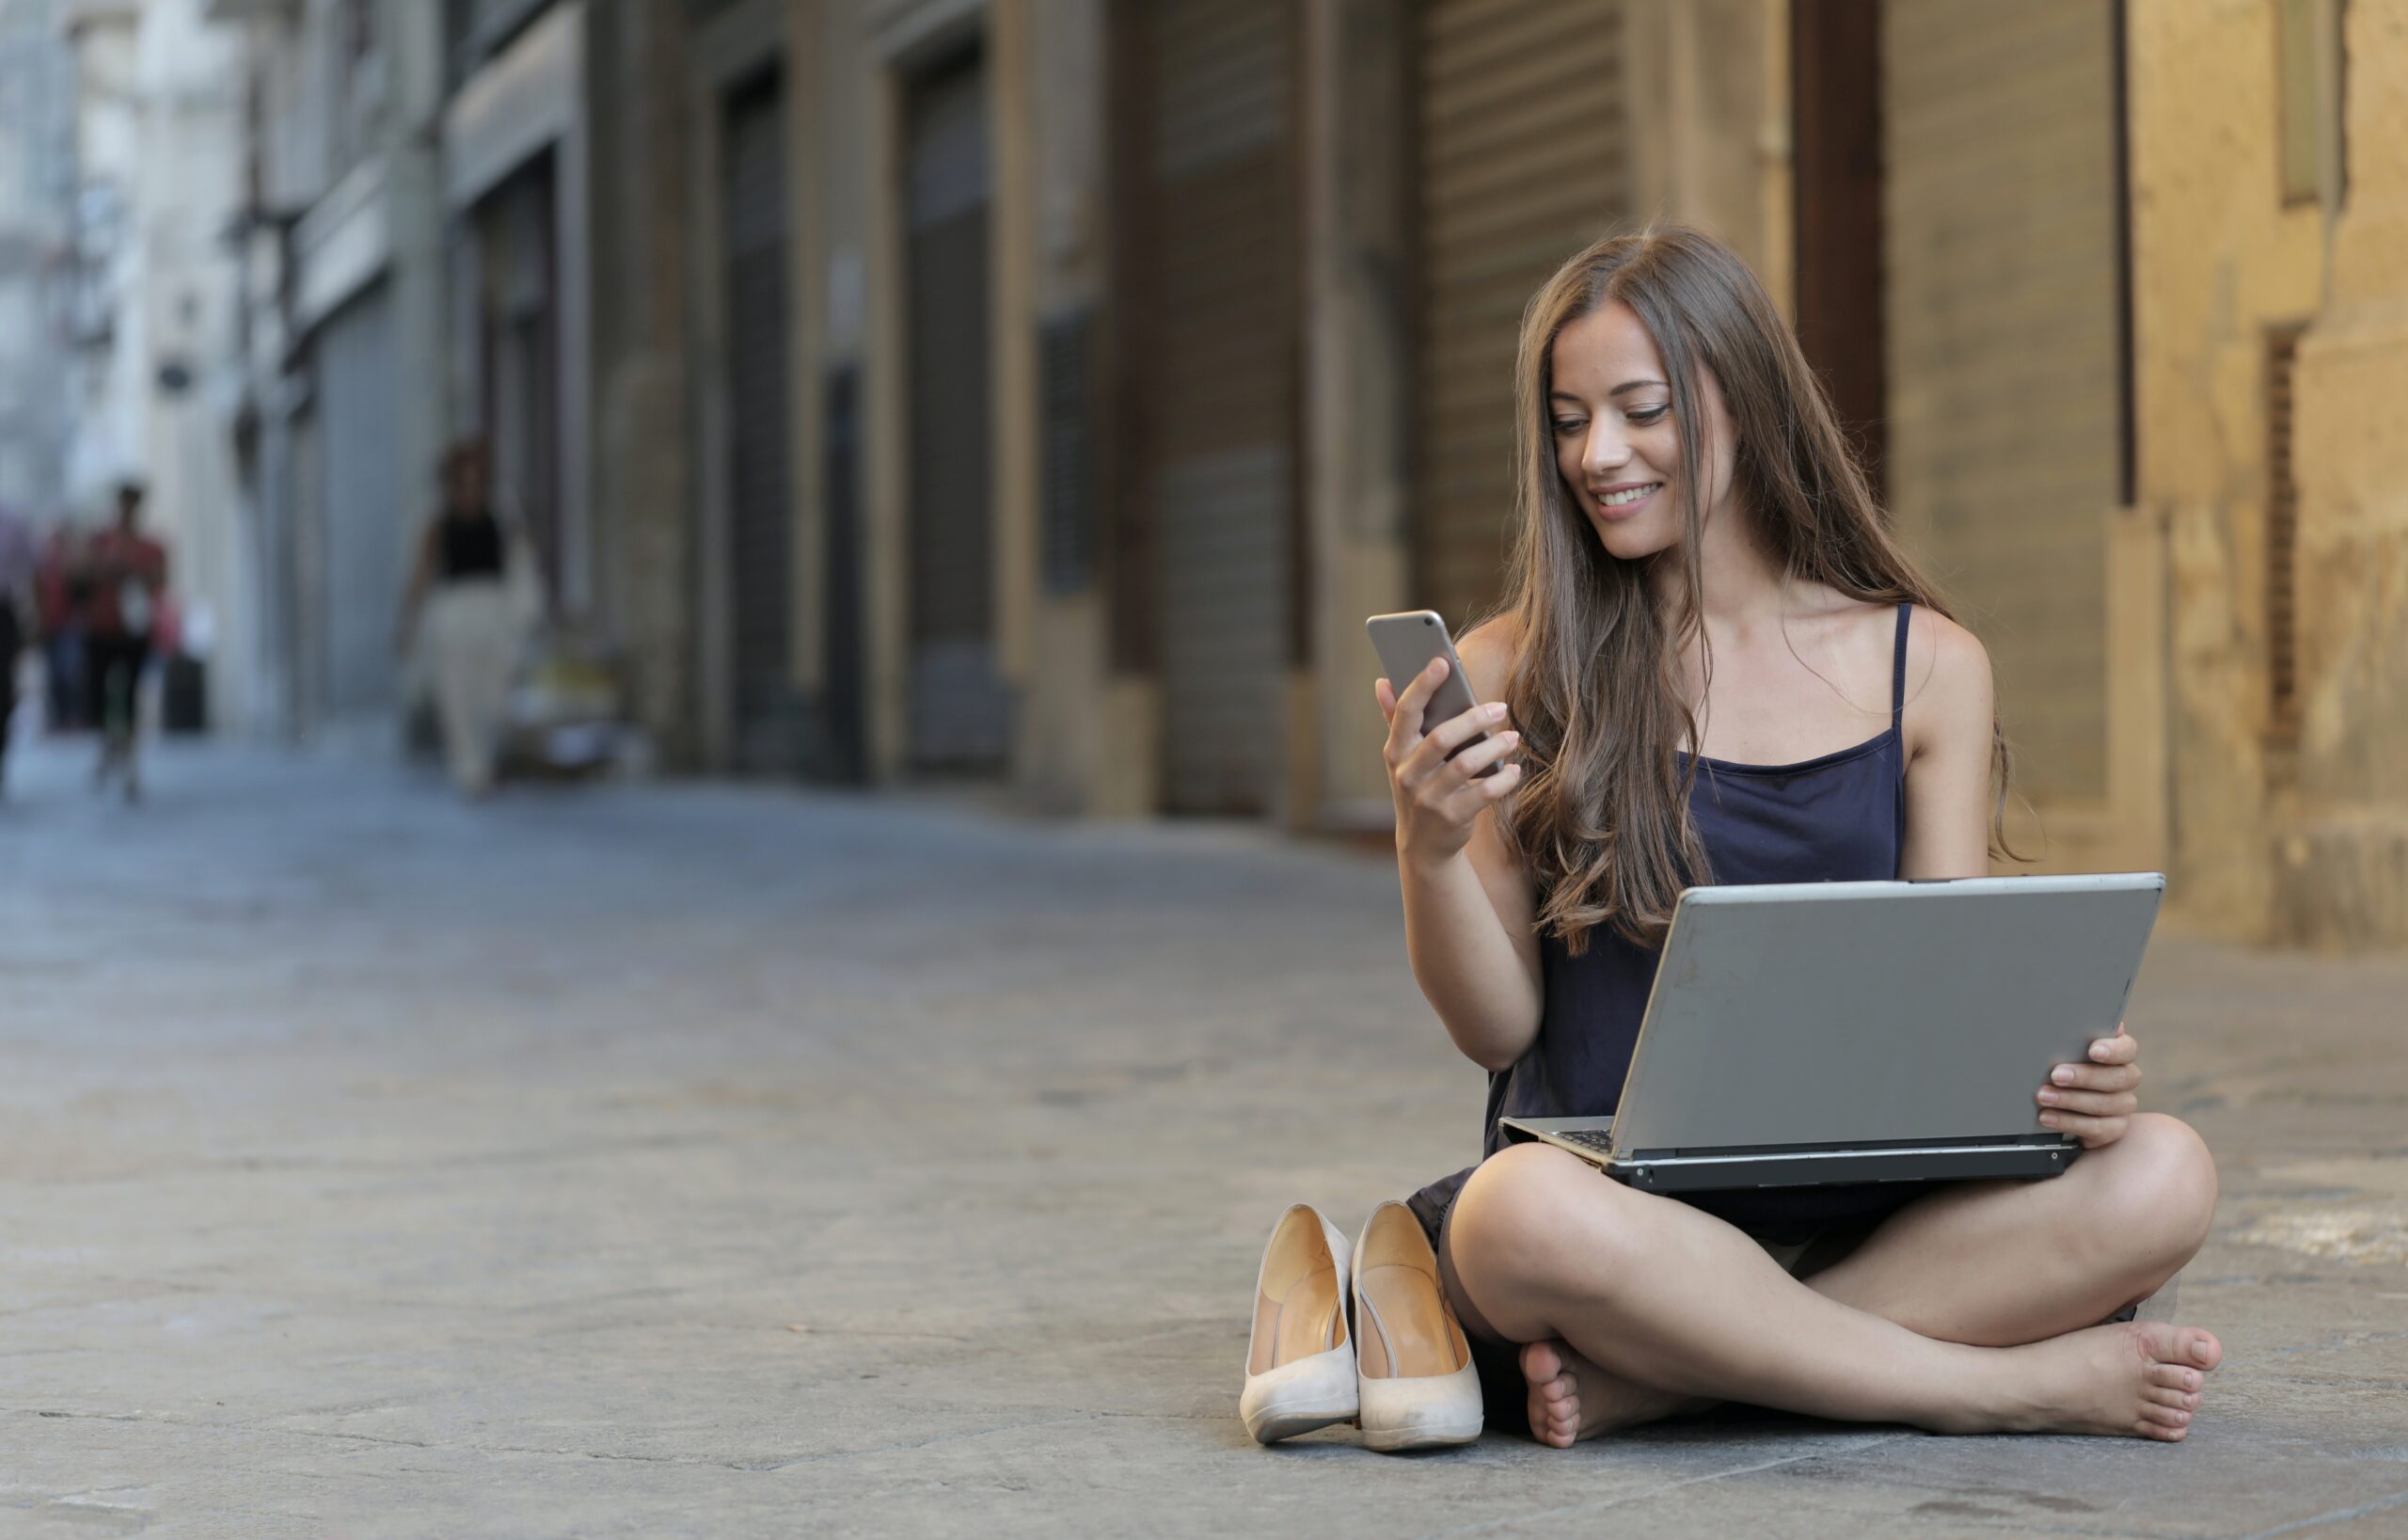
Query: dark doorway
pixel 1835 85
pixel 960 716
pixel 765 715
pixel 521 357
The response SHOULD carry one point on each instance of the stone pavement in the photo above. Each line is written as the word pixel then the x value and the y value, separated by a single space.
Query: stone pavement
pixel 722 1161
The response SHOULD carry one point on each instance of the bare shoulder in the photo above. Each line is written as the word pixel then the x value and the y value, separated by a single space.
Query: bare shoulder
pixel 1944 656
pixel 1488 650
pixel 1949 692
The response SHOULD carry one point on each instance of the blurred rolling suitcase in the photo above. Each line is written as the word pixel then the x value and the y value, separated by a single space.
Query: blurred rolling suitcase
pixel 183 695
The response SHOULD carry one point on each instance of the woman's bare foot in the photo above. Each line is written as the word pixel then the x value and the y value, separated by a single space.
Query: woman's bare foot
pixel 1572 1399
pixel 2139 1378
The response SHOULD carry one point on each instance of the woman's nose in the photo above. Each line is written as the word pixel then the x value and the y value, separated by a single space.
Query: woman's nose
pixel 1605 451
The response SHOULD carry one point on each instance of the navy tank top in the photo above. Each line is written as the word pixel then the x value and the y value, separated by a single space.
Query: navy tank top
pixel 1837 819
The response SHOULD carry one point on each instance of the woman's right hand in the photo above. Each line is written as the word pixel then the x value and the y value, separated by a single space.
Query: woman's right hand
pixel 1438 798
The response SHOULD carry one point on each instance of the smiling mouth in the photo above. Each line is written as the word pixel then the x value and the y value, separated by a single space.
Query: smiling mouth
pixel 1629 498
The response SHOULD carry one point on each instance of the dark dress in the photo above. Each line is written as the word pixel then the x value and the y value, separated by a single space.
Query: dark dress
pixel 1838 818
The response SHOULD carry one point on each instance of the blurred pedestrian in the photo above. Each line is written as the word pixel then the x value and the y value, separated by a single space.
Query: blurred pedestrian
pixel 16 589
pixel 129 574
pixel 61 586
pixel 471 574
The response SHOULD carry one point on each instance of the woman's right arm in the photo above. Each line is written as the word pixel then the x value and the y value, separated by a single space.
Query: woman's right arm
pixel 1470 920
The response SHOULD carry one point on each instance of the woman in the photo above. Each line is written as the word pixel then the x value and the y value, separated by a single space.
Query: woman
pixel 475 626
pixel 1713 663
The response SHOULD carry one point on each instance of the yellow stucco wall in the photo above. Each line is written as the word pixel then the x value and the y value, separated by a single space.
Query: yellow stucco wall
pixel 2340 851
pixel 2217 260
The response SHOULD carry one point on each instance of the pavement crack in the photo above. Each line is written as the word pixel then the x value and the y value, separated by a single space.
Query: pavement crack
pixel 2338 1515
pixel 1585 1508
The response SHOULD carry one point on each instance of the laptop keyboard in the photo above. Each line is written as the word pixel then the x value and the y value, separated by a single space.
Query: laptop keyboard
pixel 1600 1140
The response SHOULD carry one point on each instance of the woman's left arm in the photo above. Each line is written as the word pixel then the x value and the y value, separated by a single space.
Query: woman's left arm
pixel 1948 751
pixel 1948 820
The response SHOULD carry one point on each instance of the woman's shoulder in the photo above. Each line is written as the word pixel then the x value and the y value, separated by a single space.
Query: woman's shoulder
pixel 1949 693
pixel 1488 650
pixel 1939 650
pixel 1942 654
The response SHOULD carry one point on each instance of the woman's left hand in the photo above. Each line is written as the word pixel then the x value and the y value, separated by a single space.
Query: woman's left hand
pixel 2094 1102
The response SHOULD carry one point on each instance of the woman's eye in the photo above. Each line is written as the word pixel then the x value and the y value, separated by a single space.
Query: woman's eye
pixel 1648 414
pixel 1565 425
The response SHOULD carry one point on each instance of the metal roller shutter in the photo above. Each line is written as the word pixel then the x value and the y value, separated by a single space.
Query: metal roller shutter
pixel 960 719
pixel 1524 160
pixel 1219 230
pixel 2001 247
pixel 366 545
pixel 766 719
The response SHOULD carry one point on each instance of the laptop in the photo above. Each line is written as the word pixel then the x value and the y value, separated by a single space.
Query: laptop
pixel 1813 1033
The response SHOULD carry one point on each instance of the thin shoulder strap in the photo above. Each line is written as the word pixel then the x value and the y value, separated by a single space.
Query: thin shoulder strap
pixel 1898 670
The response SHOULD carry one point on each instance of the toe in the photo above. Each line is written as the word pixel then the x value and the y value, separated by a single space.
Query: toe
pixel 2165 1417
pixel 1553 1430
pixel 2158 1395
pixel 1541 1361
pixel 2173 1377
pixel 2201 1348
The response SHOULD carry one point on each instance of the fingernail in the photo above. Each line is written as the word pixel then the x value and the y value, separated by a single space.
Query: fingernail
pixel 1509 737
pixel 1494 710
pixel 2048 1098
pixel 2050 1118
pixel 2062 1074
pixel 2099 1050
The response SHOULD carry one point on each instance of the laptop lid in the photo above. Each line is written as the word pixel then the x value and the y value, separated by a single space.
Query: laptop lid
pixel 1853 1014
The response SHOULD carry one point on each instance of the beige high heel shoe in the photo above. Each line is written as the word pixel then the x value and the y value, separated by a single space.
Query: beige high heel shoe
pixel 1300 1362
pixel 1420 1389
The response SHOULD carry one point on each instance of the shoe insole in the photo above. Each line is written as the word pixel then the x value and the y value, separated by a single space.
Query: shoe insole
pixel 1305 1322
pixel 1411 1334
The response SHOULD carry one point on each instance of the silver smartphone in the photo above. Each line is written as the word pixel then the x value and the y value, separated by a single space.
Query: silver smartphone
pixel 1406 641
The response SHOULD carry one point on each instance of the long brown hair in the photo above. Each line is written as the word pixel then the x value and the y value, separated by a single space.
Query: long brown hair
pixel 1597 689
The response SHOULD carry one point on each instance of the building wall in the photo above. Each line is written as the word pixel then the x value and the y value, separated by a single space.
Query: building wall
pixel 2218 260
pixel 1713 151
pixel 2340 841
pixel 2270 829
pixel 36 213
pixel 642 448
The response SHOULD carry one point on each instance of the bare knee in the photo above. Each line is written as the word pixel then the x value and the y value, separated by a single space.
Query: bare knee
pixel 1531 1220
pixel 2159 1200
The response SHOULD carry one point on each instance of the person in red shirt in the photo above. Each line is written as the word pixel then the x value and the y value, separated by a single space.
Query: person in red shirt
pixel 129 574
pixel 61 585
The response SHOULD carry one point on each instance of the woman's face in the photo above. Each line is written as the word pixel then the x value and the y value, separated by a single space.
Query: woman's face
pixel 1616 445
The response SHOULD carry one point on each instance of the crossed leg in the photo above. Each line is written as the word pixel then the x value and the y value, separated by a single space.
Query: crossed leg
pixel 1967 1310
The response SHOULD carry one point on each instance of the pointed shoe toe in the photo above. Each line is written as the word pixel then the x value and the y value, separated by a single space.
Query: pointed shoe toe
pixel 1420 1388
pixel 1300 1359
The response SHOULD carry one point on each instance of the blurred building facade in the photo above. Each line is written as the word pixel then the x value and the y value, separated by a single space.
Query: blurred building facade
pixel 1040 392
pixel 156 144
pixel 37 249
